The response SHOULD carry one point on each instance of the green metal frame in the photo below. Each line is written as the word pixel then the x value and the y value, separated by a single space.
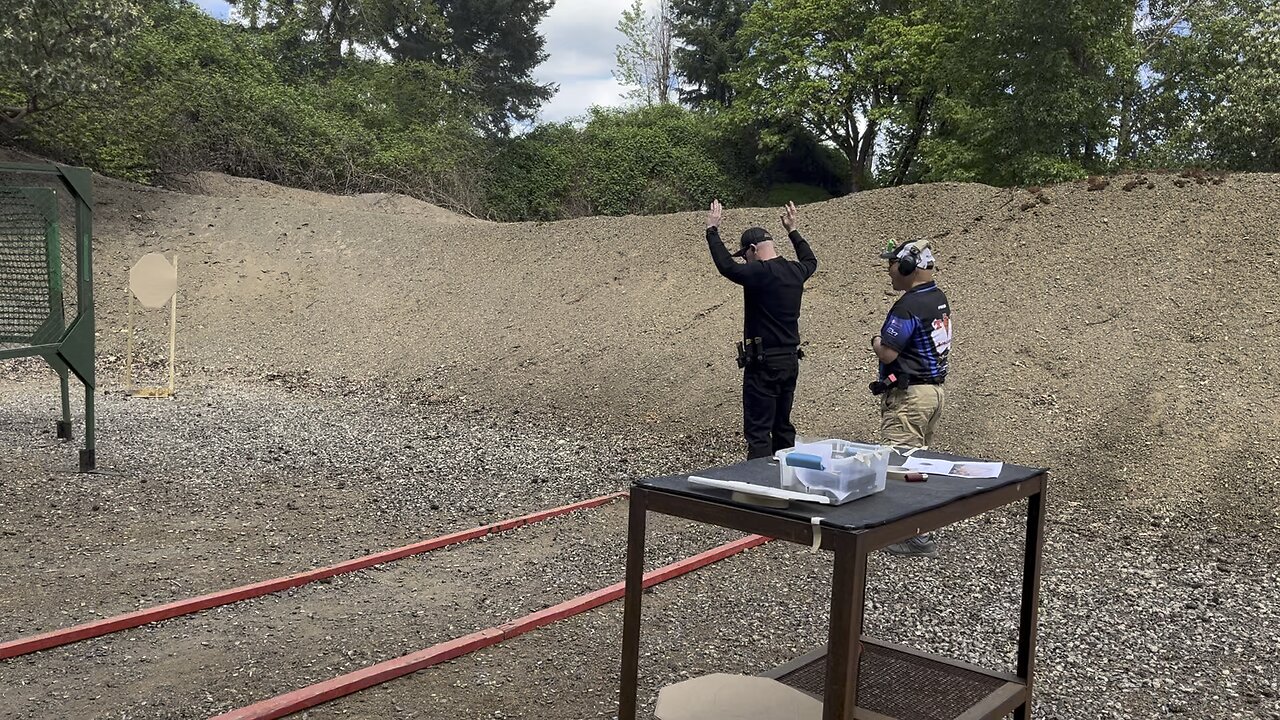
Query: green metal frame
pixel 72 350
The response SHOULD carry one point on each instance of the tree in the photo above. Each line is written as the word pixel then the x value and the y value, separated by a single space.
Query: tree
pixel 194 93
pixel 1151 24
pixel 1028 97
pixel 644 61
pixel 496 41
pixel 710 48
pixel 1211 89
pixel 53 52
pixel 314 35
pixel 837 67
pixel 1243 131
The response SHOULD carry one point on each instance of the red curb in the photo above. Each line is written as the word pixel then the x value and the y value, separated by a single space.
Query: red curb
pixel 97 628
pixel 312 695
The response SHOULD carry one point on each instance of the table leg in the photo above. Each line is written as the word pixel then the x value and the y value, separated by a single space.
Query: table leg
pixel 1030 598
pixel 631 609
pixel 844 647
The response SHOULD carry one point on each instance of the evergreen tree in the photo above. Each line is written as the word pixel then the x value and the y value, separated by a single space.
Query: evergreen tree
pixel 710 48
pixel 496 40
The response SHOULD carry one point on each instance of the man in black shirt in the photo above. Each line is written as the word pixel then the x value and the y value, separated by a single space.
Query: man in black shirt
pixel 770 356
pixel 913 347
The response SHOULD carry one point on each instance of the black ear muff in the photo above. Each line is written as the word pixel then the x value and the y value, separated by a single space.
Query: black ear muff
pixel 910 260
pixel 907 263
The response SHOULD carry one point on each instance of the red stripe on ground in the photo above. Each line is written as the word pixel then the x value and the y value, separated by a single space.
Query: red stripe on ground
pixel 97 628
pixel 312 695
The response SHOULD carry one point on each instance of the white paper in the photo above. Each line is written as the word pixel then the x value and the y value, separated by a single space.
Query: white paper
pixel 965 469
pixel 927 466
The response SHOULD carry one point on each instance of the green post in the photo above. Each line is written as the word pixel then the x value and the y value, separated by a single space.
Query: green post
pixel 79 181
pixel 89 455
pixel 64 425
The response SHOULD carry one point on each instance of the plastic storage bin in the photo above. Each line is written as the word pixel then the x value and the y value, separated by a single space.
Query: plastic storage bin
pixel 850 470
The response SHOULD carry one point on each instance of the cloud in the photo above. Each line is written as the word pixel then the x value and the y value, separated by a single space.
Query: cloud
pixel 581 40
pixel 577 96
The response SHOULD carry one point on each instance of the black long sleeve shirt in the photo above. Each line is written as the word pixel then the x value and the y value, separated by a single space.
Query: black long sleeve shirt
pixel 771 290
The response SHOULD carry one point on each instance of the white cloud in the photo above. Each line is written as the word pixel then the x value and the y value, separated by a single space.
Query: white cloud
pixel 577 96
pixel 581 39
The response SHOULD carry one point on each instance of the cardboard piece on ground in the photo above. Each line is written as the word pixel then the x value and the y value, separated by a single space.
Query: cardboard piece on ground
pixel 735 697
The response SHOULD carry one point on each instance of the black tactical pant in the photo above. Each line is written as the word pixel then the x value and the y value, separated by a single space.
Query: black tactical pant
pixel 768 390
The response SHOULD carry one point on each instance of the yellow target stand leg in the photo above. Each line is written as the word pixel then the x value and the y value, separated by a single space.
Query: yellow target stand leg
pixel 153 281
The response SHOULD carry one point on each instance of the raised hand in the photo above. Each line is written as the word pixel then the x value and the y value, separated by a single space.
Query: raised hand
pixel 713 217
pixel 790 217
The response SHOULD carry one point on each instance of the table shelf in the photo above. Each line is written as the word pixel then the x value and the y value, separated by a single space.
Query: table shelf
pixel 898 683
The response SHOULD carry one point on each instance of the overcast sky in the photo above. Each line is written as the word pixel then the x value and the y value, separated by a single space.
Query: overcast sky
pixel 581 38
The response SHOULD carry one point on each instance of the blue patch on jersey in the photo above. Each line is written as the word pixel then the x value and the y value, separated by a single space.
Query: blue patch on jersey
pixel 898 328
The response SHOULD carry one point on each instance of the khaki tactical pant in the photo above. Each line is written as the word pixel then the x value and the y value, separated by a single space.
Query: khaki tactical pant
pixel 909 417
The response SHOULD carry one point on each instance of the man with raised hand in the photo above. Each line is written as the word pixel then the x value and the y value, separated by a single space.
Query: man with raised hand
pixel 769 353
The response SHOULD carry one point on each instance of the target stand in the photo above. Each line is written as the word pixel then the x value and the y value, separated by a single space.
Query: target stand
pixel 153 283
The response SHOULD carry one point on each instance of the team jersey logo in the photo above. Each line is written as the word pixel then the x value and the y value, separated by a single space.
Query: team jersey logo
pixel 941 334
pixel 897 327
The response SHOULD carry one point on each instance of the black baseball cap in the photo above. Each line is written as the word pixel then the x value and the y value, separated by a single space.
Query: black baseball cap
pixel 752 236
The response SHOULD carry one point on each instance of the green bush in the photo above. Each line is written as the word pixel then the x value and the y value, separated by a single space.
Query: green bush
pixel 193 93
pixel 619 162
pixel 798 193
pixel 533 177
pixel 199 94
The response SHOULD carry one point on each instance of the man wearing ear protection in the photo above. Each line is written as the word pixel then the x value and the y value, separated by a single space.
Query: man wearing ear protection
pixel 913 348
pixel 770 351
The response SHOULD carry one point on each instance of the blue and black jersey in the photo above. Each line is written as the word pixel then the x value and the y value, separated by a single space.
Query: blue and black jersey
pixel 919 328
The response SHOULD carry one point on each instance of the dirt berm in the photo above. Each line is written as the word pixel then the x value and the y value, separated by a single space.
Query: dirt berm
pixel 1126 338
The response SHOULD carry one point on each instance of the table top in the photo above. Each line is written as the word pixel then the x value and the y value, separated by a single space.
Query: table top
pixel 897 501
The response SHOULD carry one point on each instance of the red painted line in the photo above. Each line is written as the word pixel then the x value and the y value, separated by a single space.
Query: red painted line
pixel 312 695
pixel 97 628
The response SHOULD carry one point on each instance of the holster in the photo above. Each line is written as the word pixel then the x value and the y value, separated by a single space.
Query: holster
pixel 892 382
pixel 750 352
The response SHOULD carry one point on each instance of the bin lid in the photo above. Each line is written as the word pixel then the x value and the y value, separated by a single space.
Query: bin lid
pixel 735 697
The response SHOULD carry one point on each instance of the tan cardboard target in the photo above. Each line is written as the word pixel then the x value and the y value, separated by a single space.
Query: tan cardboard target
pixel 153 280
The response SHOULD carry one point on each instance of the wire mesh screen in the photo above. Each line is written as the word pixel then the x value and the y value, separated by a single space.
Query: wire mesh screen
pixel 30 307
pixel 38 260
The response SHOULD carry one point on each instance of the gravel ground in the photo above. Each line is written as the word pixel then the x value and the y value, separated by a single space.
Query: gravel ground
pixel 238 483
pixel 262 647
pixel 1143 615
